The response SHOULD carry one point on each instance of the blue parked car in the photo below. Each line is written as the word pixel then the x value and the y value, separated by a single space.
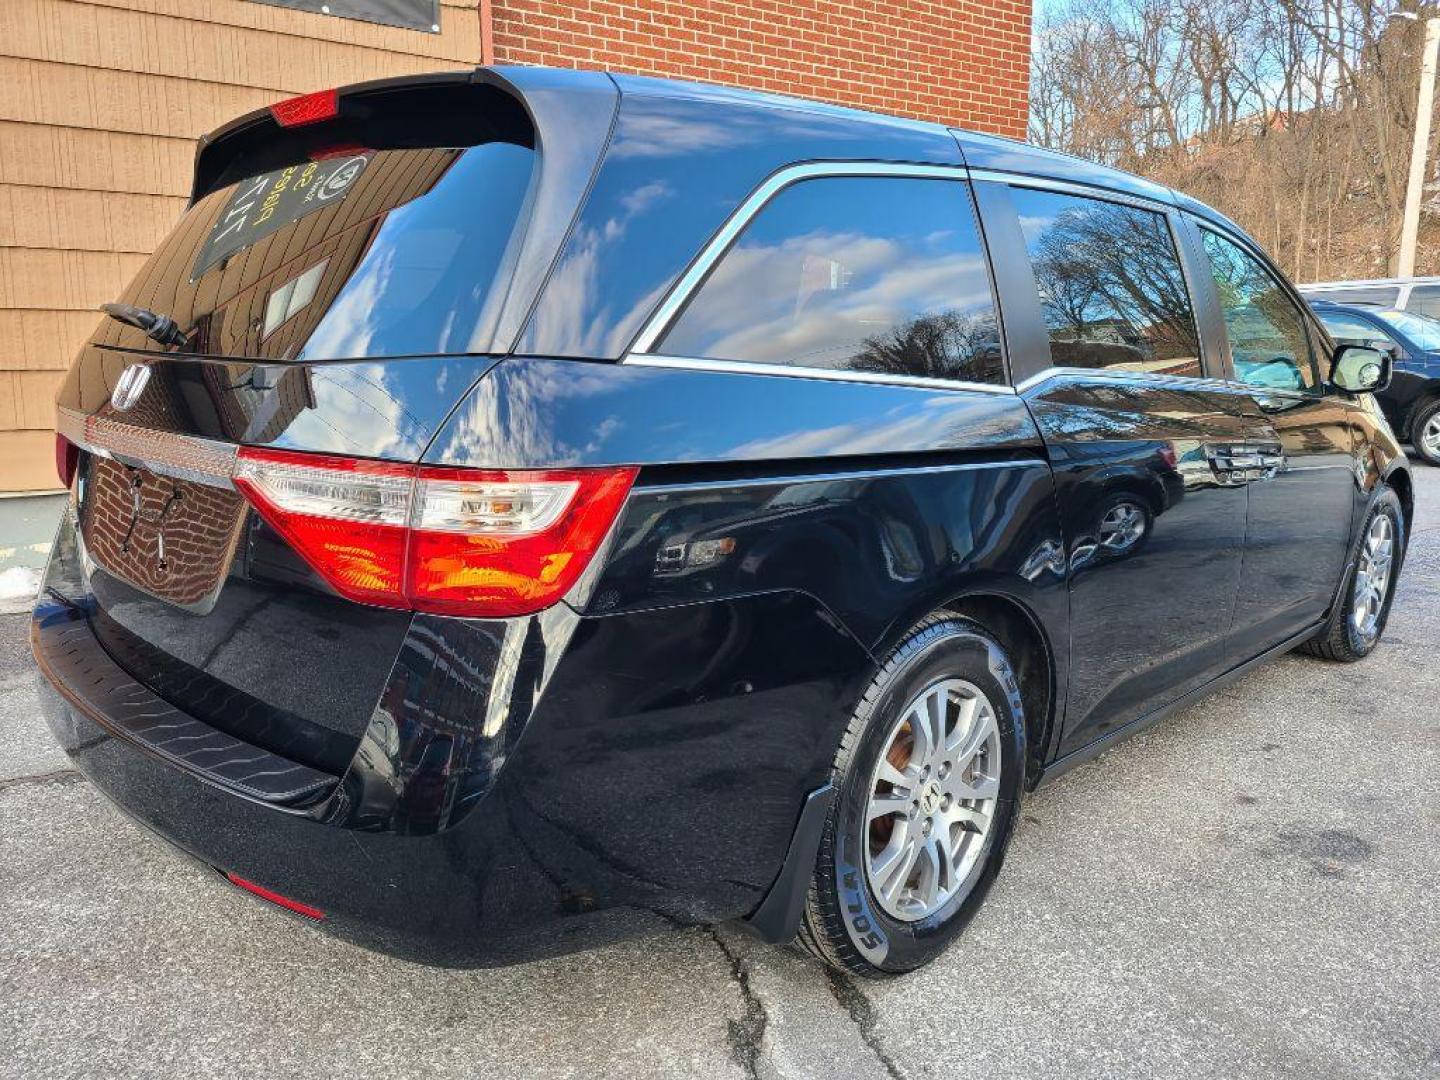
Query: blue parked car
pixel 1412 400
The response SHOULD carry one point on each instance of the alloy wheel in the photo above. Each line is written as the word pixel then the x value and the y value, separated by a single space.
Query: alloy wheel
pixel 1372 575
pixel 933 796
pixel 1430 437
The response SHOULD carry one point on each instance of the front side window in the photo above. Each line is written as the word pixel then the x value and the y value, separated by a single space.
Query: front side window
pixel 1268 343
pixel 1111 288
pixel 884 275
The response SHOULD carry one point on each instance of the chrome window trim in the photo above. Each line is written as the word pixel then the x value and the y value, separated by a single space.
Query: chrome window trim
pixel 820 478
pixel 787 371
pixel 184 457
pixel 1073 187
pixel 718 244
pixel 1184 382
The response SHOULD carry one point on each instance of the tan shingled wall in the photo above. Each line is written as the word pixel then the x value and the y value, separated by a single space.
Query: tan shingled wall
pixel 100 105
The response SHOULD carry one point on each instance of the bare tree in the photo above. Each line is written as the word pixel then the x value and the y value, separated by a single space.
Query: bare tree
pixel 1291 116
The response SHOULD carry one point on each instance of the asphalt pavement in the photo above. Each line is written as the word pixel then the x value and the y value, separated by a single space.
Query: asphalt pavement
pixel 1249 889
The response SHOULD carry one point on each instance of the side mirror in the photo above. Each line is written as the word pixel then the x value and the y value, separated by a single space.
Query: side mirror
pixel 1359 369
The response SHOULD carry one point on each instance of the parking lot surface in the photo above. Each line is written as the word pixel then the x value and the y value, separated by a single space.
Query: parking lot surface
pixel 1250 888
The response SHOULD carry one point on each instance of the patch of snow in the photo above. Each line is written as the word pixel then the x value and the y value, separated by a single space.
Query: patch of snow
pixel 19 583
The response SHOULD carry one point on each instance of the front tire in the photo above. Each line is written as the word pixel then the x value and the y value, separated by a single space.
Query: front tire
pixel 929 777
pixel 1358 620
pixel 1425 432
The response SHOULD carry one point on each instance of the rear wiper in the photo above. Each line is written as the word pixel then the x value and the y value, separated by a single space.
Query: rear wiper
pixel 159 327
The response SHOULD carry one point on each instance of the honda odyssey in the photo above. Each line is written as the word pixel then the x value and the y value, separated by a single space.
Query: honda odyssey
pixel 518 508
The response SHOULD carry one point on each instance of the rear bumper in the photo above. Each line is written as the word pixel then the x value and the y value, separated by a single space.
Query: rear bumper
pixel 656 780
pixel 73 663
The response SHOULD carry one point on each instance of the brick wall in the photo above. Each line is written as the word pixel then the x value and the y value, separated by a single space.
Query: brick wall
pixel 101 101
pixel 963 62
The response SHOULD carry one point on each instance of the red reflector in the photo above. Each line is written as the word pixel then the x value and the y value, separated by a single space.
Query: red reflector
pixel 434 538
pixel 338 150
pixel 306 109
pixel 275 898
pixel 67 457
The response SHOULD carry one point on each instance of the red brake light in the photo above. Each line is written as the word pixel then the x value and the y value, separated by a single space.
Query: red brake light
pixel 434 538
pixel 275 898
pixel 67 457
pixel 306 109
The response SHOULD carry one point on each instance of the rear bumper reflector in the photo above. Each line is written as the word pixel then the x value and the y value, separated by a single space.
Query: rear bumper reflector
pixel 275 898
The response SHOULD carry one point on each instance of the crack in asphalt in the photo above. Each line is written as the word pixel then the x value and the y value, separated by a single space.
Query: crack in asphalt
pixel 862 1012
pixel 745 1035
pixel 59 776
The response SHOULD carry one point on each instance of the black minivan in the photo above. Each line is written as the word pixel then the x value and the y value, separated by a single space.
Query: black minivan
pixel 519 507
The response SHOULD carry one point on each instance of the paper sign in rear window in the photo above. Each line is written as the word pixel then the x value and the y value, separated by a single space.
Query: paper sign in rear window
pixel 264 204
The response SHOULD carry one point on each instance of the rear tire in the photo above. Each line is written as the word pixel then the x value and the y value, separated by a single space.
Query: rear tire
pixel 945 715
pixel 1358 619
pixel 1425 432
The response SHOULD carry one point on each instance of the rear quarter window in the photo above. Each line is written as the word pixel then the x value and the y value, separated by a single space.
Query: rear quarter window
pixel 881 275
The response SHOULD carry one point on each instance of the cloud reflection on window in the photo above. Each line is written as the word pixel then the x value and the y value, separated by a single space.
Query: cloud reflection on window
pixel 861 274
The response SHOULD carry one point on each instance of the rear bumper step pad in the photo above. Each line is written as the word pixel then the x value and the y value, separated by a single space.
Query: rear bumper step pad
pixel 75 663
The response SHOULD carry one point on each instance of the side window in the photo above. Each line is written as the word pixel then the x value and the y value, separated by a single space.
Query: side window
pixel 1352 331
pixel 869 274
pixel 1111 287
pixel 1424 300
pixel 1268 343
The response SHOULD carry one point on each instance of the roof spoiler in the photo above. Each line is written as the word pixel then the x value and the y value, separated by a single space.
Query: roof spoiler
pixel 441 109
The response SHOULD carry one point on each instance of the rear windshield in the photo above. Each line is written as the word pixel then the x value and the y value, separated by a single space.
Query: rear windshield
pixel 362 253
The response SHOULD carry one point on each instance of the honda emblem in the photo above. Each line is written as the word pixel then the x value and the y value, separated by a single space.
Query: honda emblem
pixel 131 386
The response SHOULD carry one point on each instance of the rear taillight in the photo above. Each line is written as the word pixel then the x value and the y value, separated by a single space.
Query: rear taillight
pixel 435 538
pixel 67 458
pixel 306 109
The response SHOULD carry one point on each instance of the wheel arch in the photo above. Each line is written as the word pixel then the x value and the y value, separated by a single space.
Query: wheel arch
pixel 1022 635
pixel 1427 395
pixel 1399 478
pixel 1147 489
